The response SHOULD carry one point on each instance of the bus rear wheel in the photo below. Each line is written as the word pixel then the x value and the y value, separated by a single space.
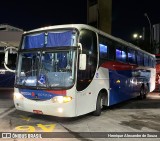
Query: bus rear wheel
pixel 143 93
pixel 99 105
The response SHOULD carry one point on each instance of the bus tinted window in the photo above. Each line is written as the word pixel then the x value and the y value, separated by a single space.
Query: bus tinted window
pixel 103 51
pixel 146 60
pixel 131 56
pixel 88 39
pixel 153 62
pixel 150 61
pixel 106 49
pixel 121 54
pixel 111 52
pixel 103 47
pixel 140 58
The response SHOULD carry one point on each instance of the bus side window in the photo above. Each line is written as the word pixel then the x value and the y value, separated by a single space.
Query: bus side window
pixel 106 49
pixel 131 56
pixel 121 54
pixel 146 62
pixel 140 58
pixel 111 55
pixel 103 49
pixel 153 62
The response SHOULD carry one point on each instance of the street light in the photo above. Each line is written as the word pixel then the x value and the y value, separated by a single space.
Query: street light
pixel 145 14
pixel 137 36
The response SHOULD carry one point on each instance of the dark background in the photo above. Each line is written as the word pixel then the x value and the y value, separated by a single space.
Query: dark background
pixel 127 15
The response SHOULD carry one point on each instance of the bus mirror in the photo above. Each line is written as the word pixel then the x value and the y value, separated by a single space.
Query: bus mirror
pixel 82 62
pixel 6 57
pixel 80 47
pixel 7 51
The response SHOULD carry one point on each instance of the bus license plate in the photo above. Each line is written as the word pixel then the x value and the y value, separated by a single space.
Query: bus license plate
pixel 37 112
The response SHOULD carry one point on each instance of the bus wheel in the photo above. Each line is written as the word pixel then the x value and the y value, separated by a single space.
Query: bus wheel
pixel 146 91
pixel 142 93
pixel 99 105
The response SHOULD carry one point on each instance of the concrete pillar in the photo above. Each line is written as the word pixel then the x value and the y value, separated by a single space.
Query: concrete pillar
pixel 105 15
pixel 100 14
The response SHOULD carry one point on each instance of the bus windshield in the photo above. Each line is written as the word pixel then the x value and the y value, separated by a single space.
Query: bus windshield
pixel 46 69
pixel 46 59
pixel 49 39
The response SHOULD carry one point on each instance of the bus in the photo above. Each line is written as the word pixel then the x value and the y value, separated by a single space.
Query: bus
pixel 7 77
pixel 71 70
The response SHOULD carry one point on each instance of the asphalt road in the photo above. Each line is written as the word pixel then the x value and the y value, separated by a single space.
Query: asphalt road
pixel 134 116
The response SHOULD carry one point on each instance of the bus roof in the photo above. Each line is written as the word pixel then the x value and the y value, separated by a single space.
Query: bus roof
pixel 83 26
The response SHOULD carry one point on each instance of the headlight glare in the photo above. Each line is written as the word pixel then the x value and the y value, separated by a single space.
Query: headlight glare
pixel 61 99
pixel 18 95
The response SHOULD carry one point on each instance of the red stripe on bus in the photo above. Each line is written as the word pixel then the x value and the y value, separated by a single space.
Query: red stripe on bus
pixel 59 92
pixel 118 66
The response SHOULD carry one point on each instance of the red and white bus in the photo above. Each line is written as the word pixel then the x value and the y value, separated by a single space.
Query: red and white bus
pixel 71 70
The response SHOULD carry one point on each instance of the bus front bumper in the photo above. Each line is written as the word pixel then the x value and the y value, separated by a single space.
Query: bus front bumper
pixel 46 107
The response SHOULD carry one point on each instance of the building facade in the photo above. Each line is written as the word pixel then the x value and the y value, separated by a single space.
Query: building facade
pixel 156 38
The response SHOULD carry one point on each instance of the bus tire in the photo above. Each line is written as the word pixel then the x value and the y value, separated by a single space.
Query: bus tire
pixel 146 91
pixel 142 93
pixel 99 105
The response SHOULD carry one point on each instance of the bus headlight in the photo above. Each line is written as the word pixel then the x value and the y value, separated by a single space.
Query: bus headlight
pixel 18 96
pixel 61 99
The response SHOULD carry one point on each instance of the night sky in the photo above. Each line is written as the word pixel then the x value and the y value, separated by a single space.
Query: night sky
pixel 127 15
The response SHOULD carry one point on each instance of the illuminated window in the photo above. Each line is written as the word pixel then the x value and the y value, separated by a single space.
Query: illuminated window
pixel 103 51
pixel 131 56
pixel 121 54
